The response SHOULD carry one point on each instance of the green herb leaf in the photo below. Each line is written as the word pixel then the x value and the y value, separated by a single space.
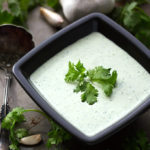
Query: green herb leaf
pixel 137 141
pixel 103 77
pixel 54 4
pixel 20 133
pixel 81 86
pixel 13 147
pixel 75 72
pixel 72 74
pixel 15 116
pixel 79 66
pixel 135 20
pixel 14 7
pixel 57 135
pixel 6 17
pixel 99 73
pixel 90 94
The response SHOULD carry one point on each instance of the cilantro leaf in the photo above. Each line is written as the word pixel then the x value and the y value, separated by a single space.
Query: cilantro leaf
pixel 16 115
pixel 90 94
pixel 54 4
pixel 81 86
pixel 21 132
pixel 6 17
pixel 75 72
pixel 128 20
pixel 144 35
pixel 57 135
pixel 113 78
pixel 104 78
pixel 14 7
pixel 99 73
pixel 13 147
pixel 72 74
pixel 80 67
pixel 107 88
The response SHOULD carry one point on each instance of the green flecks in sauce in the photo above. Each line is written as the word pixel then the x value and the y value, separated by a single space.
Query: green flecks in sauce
pixel 93 50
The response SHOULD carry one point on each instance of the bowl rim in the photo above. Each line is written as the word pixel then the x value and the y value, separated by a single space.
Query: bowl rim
pixel 17 71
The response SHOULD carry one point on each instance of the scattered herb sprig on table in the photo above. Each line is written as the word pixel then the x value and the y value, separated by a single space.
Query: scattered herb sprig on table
pixel 134 19
pixel 56 135
pixel 84 80
pixel 136 141
pixel 18 10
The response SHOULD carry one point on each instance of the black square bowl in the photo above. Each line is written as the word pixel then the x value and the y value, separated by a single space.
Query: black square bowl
pixel 95 22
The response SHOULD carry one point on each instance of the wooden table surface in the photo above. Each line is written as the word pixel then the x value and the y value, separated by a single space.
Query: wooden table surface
pixel 41 31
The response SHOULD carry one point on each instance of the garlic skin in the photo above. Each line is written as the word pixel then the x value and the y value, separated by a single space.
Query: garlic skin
pixel 75 9
pixel 31 140
pixel 52 17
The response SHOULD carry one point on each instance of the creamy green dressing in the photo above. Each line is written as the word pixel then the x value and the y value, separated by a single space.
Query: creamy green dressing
pixel 133 84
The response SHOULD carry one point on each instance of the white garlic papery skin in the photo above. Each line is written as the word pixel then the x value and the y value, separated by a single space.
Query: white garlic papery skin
pixel 75 9
pixel 52 17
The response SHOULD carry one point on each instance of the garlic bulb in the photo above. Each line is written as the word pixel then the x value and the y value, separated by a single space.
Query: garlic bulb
pixel 74 9
pixel 52 17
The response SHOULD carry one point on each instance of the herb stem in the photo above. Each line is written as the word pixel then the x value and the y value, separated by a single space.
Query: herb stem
pixel 39 111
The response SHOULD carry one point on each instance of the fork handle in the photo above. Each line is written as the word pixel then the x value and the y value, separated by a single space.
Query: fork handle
pixel 4 140
pixel 7 84
pixel 4 136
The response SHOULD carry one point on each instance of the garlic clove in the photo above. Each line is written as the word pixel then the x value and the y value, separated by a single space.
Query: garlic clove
pixel 31 140
pixel 52 17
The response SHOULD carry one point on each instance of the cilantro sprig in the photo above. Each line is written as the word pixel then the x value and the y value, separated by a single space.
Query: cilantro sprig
pixel 56 135
pixel 9 122
pixel 134 19
pixel 84 80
